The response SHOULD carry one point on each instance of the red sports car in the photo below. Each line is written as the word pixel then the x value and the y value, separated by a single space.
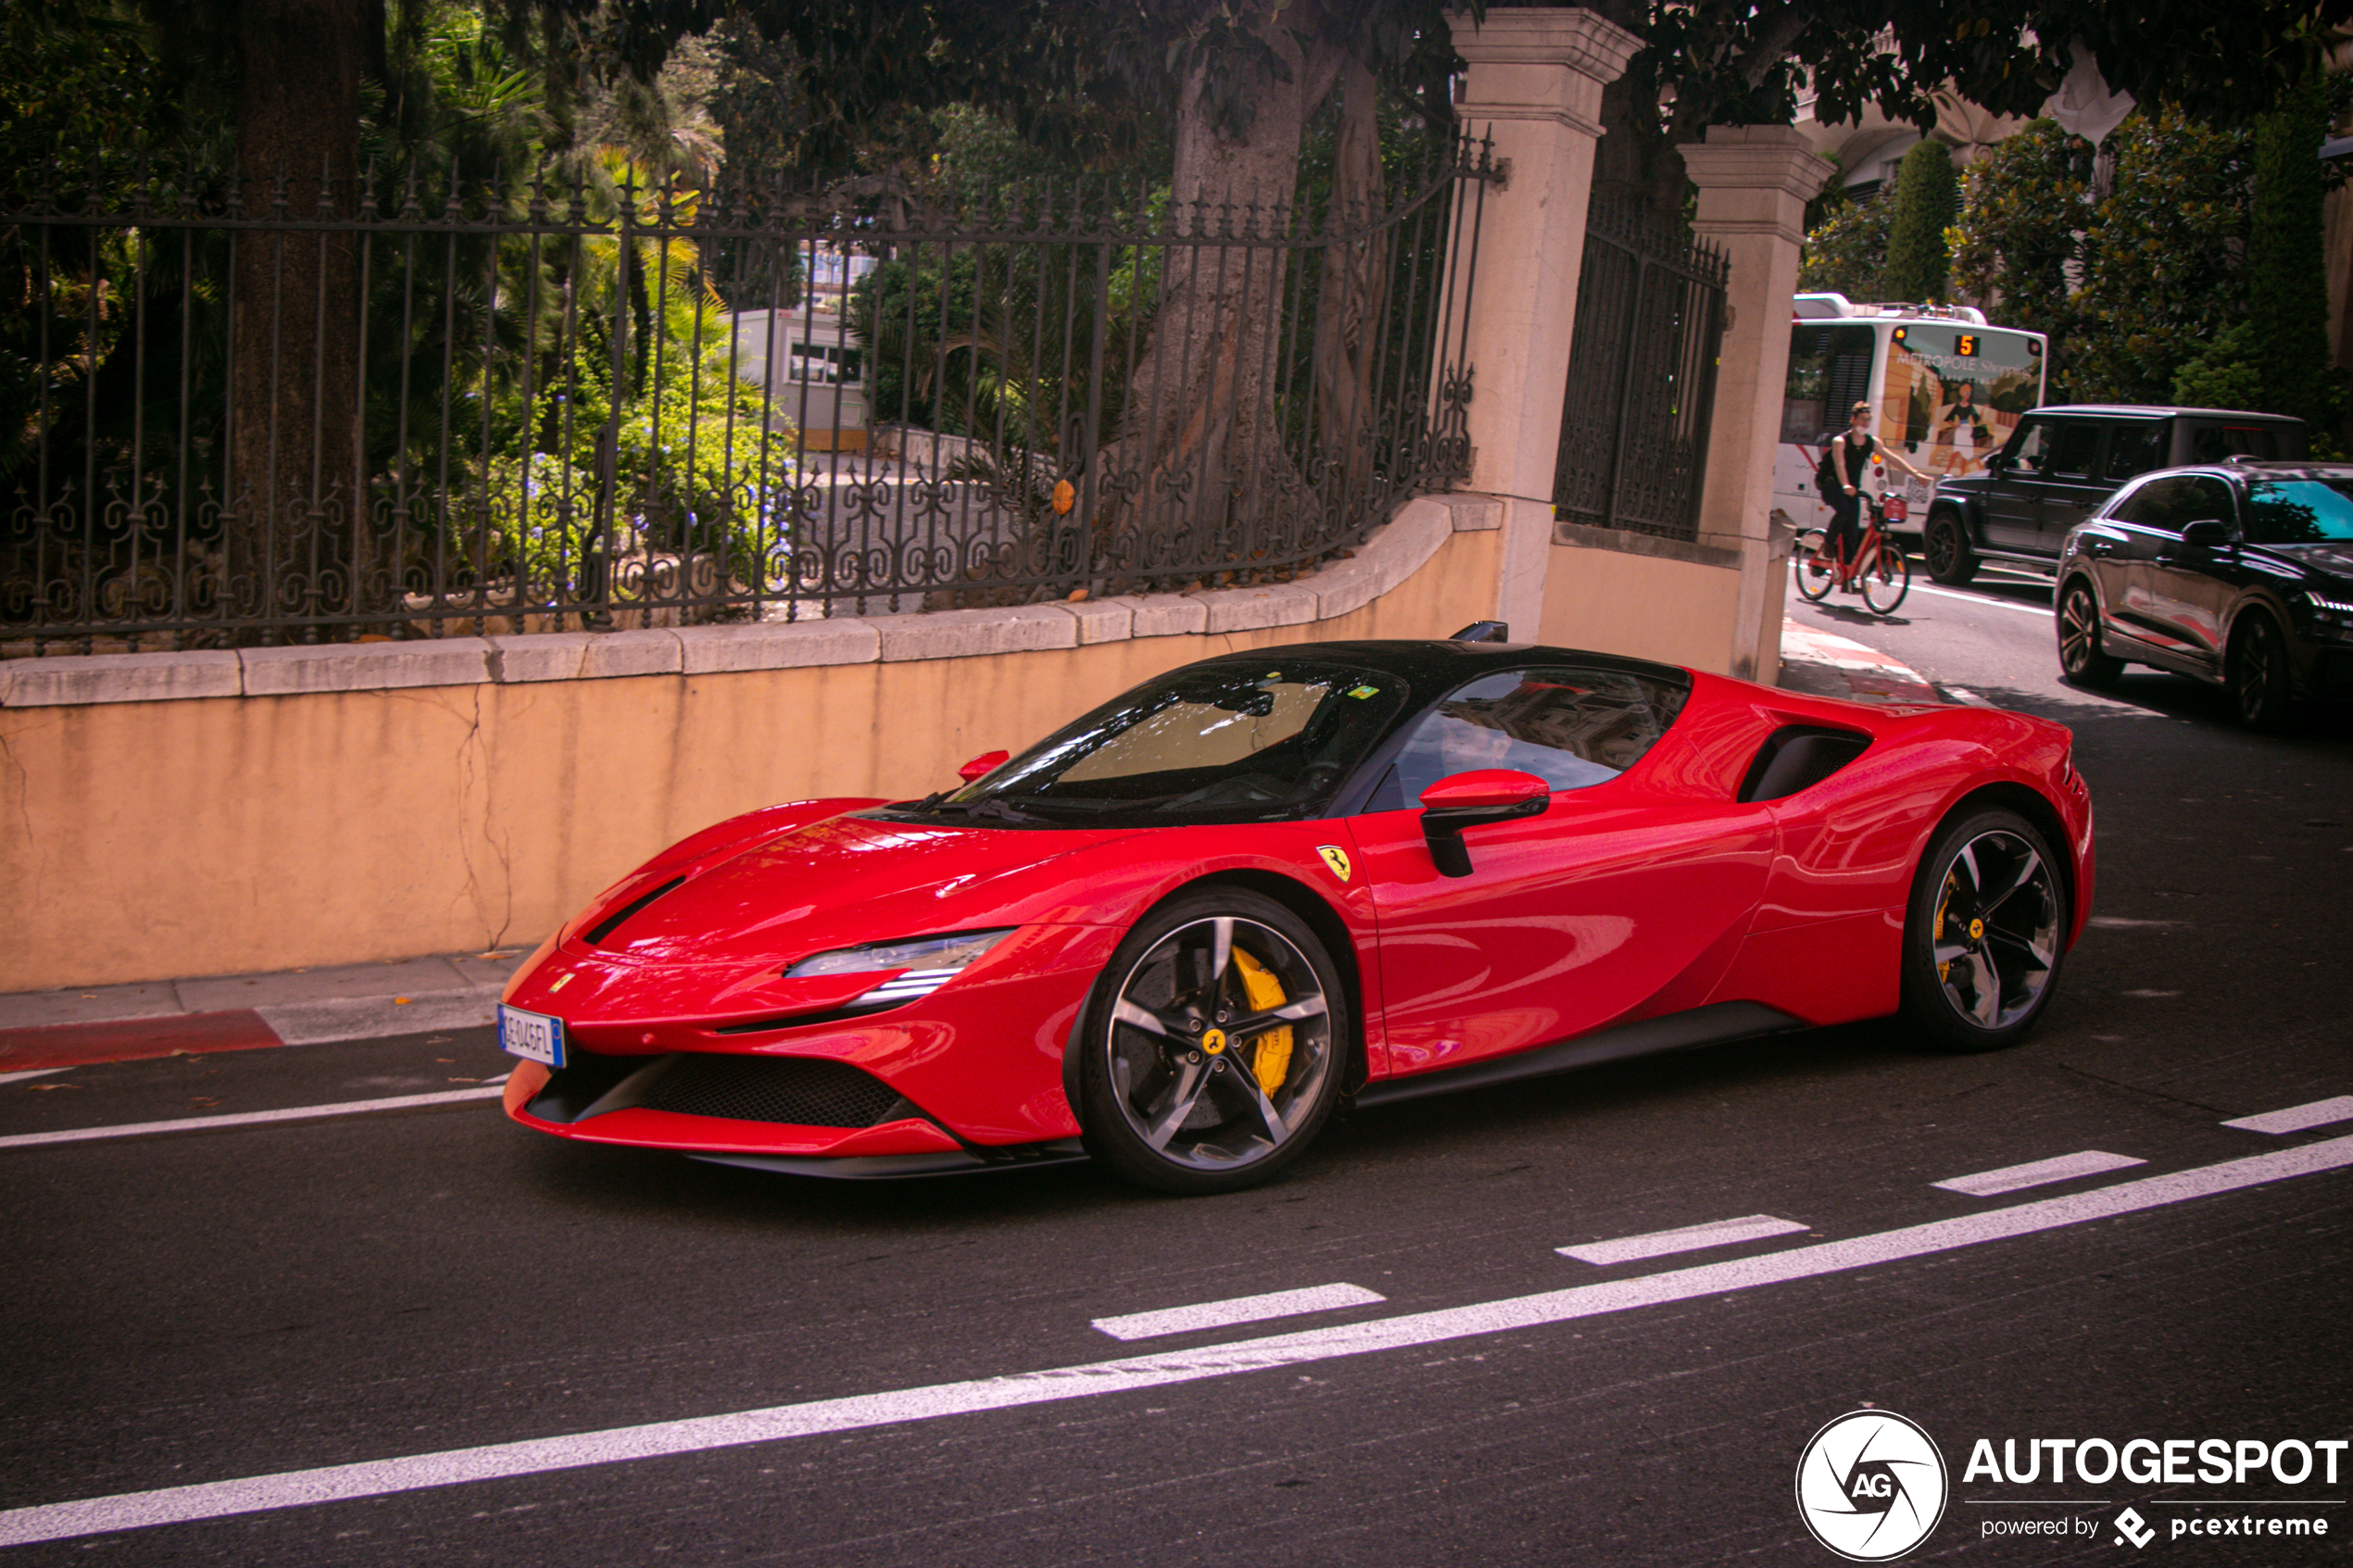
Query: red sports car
pixel 1175 934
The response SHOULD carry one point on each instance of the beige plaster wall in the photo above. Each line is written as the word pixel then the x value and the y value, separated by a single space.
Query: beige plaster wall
pixel 152 840
pixel 1645 607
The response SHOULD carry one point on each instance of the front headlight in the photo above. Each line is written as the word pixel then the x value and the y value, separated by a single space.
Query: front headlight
pixel 2331 613
pixel 929 962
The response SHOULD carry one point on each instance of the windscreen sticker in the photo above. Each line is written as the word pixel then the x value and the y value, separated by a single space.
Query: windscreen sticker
pixel 1362 692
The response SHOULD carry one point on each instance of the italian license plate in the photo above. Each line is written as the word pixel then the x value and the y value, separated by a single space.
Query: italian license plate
pixel 531 1036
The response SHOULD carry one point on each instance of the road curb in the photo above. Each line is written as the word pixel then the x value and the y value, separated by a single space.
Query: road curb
pixel 1825 664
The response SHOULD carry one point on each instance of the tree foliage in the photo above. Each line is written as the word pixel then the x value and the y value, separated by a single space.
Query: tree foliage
pixel 1918 259
pixel 2161 259
pixel 1845 252
pixel 2287 274
pixel 2026 203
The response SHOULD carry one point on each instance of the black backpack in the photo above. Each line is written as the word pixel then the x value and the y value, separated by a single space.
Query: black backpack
pixel 1826 471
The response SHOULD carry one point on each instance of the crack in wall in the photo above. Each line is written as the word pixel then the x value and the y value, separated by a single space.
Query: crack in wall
pixel 24 787
pixel 469 768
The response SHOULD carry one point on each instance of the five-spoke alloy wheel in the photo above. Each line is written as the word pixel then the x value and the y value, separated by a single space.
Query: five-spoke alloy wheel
pixel 1985 931
pixel 1212 1049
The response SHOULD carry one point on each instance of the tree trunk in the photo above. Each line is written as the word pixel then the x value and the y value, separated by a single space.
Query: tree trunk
pixel 1349 296
pixel 1199 462
pixel 297 528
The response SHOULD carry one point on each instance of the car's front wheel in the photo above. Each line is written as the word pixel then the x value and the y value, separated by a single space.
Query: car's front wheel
pixel 2258 673
pixel 1212 1048
pixel 1945 543
pixel 1983 934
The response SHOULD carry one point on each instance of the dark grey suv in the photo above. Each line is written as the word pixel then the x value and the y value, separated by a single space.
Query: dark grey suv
pixel 2064 460
pixel 2238 573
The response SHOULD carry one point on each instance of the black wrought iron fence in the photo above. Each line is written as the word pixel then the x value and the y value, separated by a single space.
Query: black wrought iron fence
pixel 1642 376
pixel 594 403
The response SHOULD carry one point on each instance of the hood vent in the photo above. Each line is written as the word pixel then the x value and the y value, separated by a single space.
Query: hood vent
pixel 611 922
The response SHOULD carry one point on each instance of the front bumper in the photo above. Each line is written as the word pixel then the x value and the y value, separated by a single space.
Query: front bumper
pixel 969 1076
pixel 757 1111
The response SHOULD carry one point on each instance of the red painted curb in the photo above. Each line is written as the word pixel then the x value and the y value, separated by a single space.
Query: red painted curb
pixel 133 1039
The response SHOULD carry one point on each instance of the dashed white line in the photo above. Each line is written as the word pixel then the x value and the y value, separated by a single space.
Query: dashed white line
pixel 1689 1239
pixel 31 1073
pixel 369 1478
pixel 255 1118
pixel 1239 1310
pixel 2035 1173
pixel 2296 1118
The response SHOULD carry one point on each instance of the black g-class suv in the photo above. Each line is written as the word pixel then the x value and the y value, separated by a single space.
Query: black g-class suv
pixel 2062 462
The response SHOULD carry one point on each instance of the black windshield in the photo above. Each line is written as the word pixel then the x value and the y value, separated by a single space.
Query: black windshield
pixel 1227 742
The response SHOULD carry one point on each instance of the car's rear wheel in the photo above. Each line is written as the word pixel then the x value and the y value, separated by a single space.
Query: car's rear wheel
pixel 2081 659
pixel 1950 560
pixel 1813 568
pixel 2258 673
pixel 1212 1047
pixel 1983 934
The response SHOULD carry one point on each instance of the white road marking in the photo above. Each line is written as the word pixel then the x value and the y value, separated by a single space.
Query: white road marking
pixel 31 1073
pixel 2009 1178
pixel 256 1118
pixel 2042 610
pixel 371 1479
pixel 2296 1118
pixel 1690 1238
pixel 1240 1309
pixel 2120 923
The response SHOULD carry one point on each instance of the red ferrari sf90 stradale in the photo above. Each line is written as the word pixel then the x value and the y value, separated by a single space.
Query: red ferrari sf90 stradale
pixel 1172 934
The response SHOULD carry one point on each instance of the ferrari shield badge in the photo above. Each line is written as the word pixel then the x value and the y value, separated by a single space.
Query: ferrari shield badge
pixel 1336 858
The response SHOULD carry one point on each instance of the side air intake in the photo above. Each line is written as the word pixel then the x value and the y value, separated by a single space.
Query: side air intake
pixel 1798 756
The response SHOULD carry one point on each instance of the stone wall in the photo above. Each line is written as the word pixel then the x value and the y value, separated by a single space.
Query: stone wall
pixel 165 815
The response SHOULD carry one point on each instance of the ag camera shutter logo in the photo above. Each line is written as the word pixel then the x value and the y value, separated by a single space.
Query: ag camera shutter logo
pixel 1871 1486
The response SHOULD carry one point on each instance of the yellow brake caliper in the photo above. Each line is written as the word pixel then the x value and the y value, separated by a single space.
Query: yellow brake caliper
pixel 1937 933
pixel 1263 992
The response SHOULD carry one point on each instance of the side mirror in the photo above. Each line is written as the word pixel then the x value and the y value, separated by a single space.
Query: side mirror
pixel 983 765
pixel 2207 534
pixel 1466 800
pixel 1998 463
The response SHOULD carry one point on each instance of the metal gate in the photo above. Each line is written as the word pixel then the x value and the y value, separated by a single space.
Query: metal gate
pixel 1642 376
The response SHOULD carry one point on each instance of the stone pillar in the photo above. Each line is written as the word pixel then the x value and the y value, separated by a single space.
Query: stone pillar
pixel 1535 86
pixel 1754 183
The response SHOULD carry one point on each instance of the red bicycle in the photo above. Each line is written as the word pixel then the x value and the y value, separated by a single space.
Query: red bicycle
pixel 1880 569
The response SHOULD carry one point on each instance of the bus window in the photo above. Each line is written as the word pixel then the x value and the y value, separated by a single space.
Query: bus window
pixel 1830 371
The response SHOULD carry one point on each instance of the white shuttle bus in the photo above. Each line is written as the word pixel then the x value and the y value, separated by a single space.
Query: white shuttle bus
pixel 1949 390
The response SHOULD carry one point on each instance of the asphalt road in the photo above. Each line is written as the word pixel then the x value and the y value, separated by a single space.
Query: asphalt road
pixel 249 1302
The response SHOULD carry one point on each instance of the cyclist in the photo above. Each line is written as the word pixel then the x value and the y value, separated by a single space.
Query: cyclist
pixel 1850 454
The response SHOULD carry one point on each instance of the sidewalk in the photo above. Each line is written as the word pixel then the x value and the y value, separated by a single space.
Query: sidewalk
pixel 1822 663
pixel 49 1031
pixel 44 1032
